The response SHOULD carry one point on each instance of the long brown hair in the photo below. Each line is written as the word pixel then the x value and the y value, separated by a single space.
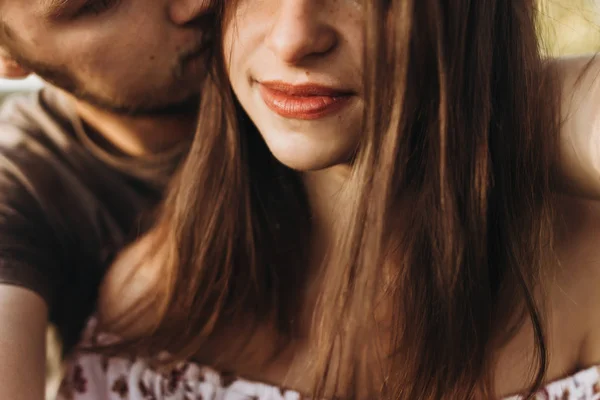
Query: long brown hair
pixel 451 194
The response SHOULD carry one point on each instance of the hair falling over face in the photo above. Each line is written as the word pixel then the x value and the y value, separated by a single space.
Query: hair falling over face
pixel 452 205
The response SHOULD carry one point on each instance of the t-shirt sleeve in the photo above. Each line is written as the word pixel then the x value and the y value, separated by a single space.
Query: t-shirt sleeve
pixel 63 213
pixel 29 255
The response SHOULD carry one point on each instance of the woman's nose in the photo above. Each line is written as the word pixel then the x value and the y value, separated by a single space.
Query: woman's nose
pixel 298 31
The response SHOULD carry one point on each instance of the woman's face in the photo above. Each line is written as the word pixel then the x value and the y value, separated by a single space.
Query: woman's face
pixel 296 68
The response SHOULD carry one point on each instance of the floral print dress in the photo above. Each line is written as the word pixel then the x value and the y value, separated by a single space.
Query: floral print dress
pixel 98 377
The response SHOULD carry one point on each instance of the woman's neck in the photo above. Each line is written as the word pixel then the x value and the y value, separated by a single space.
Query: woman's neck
pixel 328 204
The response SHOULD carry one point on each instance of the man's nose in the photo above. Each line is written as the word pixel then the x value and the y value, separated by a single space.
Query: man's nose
pixel 182 12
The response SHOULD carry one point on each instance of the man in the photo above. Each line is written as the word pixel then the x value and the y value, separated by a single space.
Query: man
pixel 82 160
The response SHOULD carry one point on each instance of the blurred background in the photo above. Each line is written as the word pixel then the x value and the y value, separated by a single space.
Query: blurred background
pixel 569 27
pixel 566 27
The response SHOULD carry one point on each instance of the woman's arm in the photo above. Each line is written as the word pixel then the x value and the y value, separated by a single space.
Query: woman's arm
pixel 579 164
pixel 23 322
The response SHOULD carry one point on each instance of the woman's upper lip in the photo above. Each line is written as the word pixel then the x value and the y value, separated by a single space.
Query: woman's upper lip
pixel 304 89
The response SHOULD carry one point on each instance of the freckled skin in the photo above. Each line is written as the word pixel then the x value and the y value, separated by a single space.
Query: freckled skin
pixel 299 41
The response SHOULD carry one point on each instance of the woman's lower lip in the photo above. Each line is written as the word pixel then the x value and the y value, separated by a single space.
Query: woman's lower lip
pixel 302 107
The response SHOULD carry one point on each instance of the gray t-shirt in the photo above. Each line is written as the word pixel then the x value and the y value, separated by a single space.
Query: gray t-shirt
pixel 68 202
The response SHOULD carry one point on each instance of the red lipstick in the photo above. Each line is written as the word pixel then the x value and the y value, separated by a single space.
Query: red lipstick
pixel 306 101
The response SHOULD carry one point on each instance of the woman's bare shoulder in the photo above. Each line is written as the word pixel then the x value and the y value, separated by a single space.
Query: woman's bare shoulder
pixel 127 299
pixel 580 84
pixel 579 164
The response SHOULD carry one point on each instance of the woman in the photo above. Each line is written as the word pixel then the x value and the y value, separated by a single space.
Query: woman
pixel 379 229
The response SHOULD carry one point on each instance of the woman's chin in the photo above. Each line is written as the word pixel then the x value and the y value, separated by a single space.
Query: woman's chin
pixel 304 152
pixel 303 164
pixel 307 159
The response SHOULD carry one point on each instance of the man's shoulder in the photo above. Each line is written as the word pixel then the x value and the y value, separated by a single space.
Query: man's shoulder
pixel 21 109
pixel 37 136
pixel 33 117
pixel 10 101
pixel 27 148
